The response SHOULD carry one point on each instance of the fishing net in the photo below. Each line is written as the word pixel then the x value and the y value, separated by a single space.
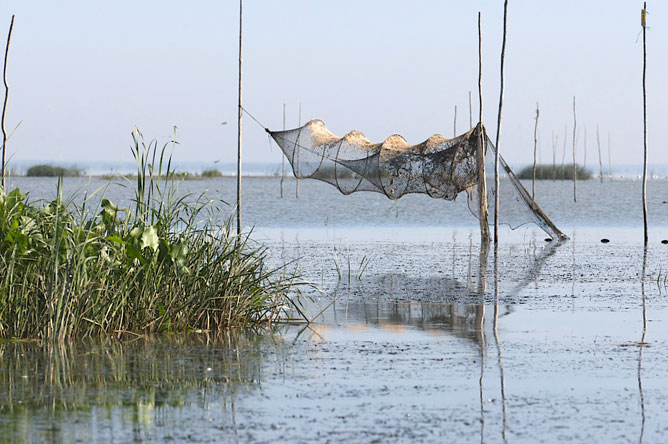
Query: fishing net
pixel 439 167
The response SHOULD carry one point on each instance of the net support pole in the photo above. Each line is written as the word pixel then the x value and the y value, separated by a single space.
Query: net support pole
pixel 4 106
pixel 480 153
pixel 644 110
pixel 241 6
pixel 497 200
pixel 482 185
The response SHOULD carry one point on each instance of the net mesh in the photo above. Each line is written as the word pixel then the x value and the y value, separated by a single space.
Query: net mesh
pixel 439 167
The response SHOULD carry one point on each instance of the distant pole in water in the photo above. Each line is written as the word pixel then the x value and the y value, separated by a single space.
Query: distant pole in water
pixel 498 128
pixel 481 153
pixel 644 115
pixel 241 8
pixel 299 123
pixel 4 106
pixel 535 149
pixel 283 157
pixel 575 165
pixel 470 111
pixel 600 159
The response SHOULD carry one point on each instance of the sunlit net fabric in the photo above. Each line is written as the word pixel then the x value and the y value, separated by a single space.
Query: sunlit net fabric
pixel 439 167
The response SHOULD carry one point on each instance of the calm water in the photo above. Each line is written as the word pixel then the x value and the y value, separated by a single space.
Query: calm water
pixel 424 340
pixel 614 204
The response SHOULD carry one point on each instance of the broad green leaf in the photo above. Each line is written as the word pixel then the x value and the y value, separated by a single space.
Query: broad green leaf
pixel 149 238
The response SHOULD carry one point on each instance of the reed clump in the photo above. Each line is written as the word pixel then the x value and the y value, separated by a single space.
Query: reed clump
pixel 555 172
pixel 163 264
pixel 211 174
pixel 44 170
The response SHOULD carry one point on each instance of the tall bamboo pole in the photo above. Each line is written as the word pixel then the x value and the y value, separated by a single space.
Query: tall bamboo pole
pixel 481 153
pixel 575 165
pixel 241 8
pixel 283 157
pixel 535 149
pixel 600 159
pixel 4 106
pixel 644 116
pixel 498 128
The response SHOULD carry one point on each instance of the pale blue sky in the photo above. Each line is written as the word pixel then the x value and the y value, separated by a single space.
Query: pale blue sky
pixel 83 73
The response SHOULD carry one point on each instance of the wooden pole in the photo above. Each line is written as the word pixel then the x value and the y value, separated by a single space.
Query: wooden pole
pixel 283 157
pixel 241 8
pixel 299 124
pixel 498 128
pixel 644 116
pixel 575 165
pixel 535 149
pixel 4 106
pixel 481 153
pixel 600 159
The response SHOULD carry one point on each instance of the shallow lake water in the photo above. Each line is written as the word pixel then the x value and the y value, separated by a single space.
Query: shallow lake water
pixel 424 338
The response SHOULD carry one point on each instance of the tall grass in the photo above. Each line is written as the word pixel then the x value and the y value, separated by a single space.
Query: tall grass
pixel 162 264
pixel 556 172
pixel 44 170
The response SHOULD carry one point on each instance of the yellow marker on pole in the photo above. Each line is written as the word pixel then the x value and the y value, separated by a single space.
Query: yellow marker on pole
pixel 643 17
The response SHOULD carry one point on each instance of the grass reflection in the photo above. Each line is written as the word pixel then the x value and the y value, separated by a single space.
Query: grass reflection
pixel 141 382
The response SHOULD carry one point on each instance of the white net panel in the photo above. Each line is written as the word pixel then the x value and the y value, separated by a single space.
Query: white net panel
pixel 439 167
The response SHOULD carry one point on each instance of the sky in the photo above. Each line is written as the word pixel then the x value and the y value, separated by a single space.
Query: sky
pixel 82 74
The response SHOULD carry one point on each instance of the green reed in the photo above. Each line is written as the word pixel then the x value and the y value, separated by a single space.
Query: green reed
pixel 163 264
pixel 556 172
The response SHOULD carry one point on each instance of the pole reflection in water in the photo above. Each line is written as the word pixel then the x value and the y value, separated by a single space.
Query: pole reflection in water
pixel 642 344
pixel 498 346
pixel 482 277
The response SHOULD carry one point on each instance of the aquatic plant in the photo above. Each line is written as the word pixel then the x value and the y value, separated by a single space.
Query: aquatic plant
pixel 163 264
pixel 556 172
pixel 211 173
pixel 44 170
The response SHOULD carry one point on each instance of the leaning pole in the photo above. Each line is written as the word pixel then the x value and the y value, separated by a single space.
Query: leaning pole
pixel 498 129
pixel 241 8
